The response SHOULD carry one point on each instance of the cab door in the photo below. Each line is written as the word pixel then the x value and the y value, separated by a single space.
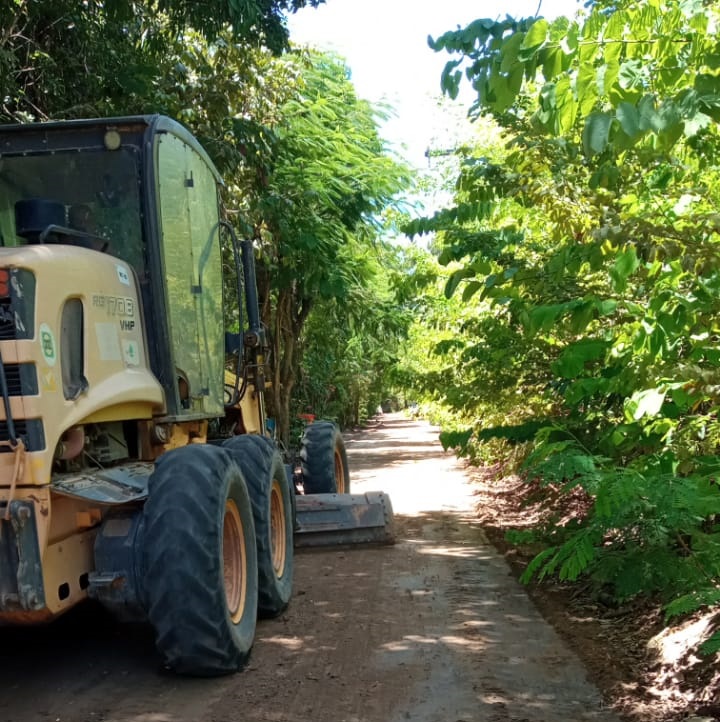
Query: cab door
pixel 190 247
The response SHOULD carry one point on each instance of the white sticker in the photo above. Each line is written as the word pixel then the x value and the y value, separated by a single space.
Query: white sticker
pixel 131 352
pixel 123 275
pixel 47 344
pixel 108 341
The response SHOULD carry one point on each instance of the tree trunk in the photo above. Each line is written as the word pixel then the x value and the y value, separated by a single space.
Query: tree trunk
pixel 284 313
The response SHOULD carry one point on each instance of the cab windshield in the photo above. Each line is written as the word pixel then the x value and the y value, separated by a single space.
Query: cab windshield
pixel 95 192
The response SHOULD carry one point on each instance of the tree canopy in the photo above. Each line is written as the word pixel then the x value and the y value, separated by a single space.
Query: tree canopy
pixel 71 59
pixel 581 254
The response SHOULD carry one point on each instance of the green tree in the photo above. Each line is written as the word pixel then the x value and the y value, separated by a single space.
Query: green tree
pixel 351 347
pixel 307 174
pixel 587 248
pixel 256 22
pixel 318 216
pixel 65 59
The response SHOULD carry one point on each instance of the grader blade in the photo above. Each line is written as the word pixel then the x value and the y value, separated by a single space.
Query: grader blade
pixel 344 519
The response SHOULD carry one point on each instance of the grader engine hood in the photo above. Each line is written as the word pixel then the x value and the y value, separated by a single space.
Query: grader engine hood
pixel 73 350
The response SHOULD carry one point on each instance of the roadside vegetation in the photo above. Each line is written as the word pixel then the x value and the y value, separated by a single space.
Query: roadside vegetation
pixel 575 290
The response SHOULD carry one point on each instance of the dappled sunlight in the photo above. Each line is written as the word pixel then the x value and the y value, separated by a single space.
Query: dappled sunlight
pixel 291 643
pixel 416 488
pixel 420 592
pixel 304 646
pixel 414 641
pixel 676 653
pixel 476 624
pixel 673 642
pixel 454 551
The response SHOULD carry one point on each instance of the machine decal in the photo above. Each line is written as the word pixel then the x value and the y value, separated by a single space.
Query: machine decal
pixel 47 379
pixel 123 275
pixel 47 343
pixel 17 304
pixel 115 305
pixel 108 341
pixel 131 353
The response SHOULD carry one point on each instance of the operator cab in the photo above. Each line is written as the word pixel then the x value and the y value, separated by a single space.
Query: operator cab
pixel 142 190
pixel 88 197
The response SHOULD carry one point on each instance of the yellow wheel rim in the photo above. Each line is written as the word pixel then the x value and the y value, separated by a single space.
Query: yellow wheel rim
pixel 277 528
pixel 234 561
pixel 339 472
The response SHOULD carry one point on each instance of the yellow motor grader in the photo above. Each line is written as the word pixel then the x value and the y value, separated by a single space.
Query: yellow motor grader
pixel 135 467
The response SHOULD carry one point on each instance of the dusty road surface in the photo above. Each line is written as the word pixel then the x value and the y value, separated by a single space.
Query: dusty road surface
pixel 434 629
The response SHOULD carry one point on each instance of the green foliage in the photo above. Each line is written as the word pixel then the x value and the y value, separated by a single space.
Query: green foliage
pixel 456 440
pixel 693 601
pixel 581 261
pixel 254 21
pixel 350 347
pixel 317 215
pixel 627 73
pixel 65 59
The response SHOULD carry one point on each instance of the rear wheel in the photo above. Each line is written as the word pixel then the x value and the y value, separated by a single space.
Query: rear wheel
pixel 323 460
pixel 270 494
pixel 200 561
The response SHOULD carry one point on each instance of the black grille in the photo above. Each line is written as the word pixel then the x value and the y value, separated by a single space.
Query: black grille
pixel 21 379
pixel 29 430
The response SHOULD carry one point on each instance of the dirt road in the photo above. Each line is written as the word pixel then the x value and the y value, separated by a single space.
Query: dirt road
pixel 434 629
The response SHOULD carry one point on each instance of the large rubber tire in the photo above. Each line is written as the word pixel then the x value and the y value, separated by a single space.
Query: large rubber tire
pixel 271 497
pixel 200 561
pixel 323 460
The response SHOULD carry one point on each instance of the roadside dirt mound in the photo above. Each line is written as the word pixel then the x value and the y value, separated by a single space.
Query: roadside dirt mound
pixel 650 673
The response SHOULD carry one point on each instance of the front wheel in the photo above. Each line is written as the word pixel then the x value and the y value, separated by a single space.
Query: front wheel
pixel 271 497
pixel 323 460
pixel 200 561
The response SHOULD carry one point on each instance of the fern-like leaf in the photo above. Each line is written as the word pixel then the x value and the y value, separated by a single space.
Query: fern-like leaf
pixel 692 602
pixel 711 646
pixel 536 563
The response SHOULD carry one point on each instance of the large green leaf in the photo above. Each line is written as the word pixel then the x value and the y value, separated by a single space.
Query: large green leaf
pixel 625 265
pixel 455 278
pixel 586 88
pixel 649 118
pixel 534 39
pixel 566 106
pixel 633 75
pixel 596 133
pixel 574 357
pixel 629 119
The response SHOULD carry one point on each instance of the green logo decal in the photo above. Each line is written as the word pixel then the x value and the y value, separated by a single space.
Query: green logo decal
pixel 47 344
